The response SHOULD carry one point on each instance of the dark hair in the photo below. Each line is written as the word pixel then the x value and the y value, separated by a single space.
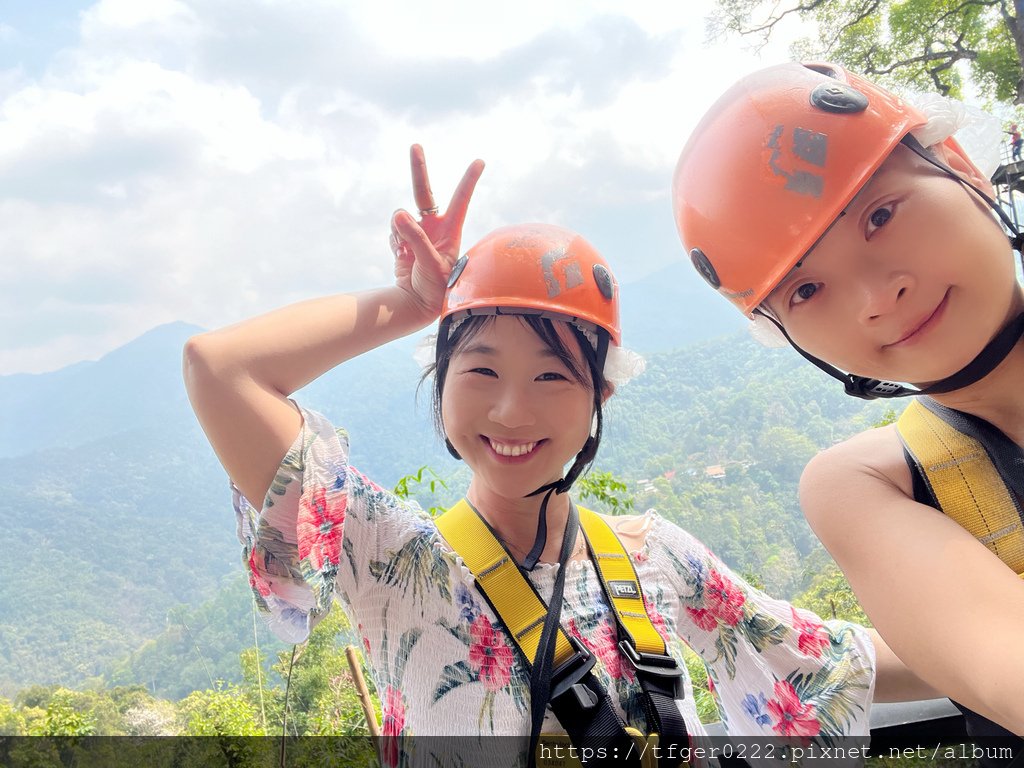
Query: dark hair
pixel 547 332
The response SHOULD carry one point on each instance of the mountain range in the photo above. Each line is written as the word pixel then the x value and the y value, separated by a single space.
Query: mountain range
pixel 117 518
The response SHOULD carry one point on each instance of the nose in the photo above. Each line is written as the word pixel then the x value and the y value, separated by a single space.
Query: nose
pixel 882 292
pixel 512 408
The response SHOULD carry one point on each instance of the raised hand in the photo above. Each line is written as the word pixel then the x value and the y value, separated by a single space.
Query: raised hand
pixel 426 250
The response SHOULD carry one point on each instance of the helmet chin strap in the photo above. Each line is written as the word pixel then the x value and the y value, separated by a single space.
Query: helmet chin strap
pixel 871 389
pixel 981 366
pixel 583 458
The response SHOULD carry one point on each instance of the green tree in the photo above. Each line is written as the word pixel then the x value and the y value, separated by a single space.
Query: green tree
pixel 423 480
pixel 830 596
pixel 609 491
pixel 63 719
pixel 785 452
pixel 321 697
pixel 912 42
pixel 889 417
pixel 222 711
pixel 12 722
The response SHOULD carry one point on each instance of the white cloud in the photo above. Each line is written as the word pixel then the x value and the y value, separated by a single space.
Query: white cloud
pixel 204 161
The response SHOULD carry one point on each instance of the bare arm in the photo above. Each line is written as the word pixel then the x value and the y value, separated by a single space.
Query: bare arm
pixel 944 603
pixel 893 679
pixel 239 378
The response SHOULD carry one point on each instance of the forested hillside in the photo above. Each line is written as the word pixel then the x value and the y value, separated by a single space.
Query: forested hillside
pixel 124 543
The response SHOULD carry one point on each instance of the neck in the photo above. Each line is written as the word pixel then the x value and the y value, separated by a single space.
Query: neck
pixel 514 520
pixel 997 397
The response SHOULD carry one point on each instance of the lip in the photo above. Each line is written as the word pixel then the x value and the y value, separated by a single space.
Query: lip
pixel 506 459
pixel 919 329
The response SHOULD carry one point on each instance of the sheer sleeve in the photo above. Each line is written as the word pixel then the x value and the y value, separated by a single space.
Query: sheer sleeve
pixel 321 526
pixel 776 670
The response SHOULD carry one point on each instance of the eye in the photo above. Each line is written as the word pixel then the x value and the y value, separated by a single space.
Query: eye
pixel 551 376
pixel 879 218
pixel 483 372
pixel 803 293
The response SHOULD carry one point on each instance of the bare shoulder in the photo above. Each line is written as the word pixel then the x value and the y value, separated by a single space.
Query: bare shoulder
pixel 631 529
pixel 871 460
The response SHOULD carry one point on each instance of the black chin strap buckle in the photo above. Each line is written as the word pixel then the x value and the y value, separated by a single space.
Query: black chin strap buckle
pixel 1017 242
pixel 872 389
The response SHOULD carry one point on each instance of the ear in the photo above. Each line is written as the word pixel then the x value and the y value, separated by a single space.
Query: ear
pixel 953 155
pixel 609 390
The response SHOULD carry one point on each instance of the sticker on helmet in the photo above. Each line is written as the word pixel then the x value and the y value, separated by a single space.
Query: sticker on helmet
pixel 703 265
pixel 809 147
pixel 571 273
pixel 605 284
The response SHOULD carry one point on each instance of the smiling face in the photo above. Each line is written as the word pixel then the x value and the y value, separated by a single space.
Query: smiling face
pixel 515 412
pixel 912 280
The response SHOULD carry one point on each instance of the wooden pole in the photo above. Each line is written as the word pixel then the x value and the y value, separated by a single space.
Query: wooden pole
pixel 364 693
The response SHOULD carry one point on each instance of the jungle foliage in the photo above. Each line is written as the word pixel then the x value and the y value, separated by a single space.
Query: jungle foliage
pixel 918 43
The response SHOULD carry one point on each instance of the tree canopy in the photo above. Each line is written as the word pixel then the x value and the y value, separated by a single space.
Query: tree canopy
pixel 917 43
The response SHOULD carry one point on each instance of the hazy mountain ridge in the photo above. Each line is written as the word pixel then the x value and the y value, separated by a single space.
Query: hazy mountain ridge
pixel 117 512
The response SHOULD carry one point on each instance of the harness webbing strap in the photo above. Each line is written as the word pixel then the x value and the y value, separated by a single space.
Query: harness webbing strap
pixel 964 481
pixel 578 699
pixel 509 593
pixel 659 674
pixel 622 586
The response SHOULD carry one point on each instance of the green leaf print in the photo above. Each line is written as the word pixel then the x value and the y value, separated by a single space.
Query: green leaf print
pixel 761 629
pixel 405 646
pixel 833 691
pixel 418 564
pixel 452 676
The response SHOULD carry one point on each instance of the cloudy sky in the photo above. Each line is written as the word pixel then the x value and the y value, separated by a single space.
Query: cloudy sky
pixel 204 160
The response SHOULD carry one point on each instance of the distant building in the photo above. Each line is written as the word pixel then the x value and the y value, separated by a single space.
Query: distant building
pixel 715 471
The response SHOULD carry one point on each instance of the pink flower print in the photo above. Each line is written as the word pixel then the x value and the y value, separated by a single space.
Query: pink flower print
pixel 813 636
pixel 794 717
pixel 656 619
pixel 393 715
pixel 256 580
pixel 723 599
pixel 489 654
pixel 320 527
pixel 605 645
pixel 703 618
pixel 393 710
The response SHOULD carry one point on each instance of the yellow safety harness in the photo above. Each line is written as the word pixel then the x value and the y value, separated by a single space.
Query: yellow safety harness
pixel 969 467
pixel 578 699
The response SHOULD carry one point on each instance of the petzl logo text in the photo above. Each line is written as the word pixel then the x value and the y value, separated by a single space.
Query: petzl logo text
pixel 623 589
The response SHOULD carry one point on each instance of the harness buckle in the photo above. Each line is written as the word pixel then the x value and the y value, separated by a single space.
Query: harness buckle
pixel 656 665
pixel 566 678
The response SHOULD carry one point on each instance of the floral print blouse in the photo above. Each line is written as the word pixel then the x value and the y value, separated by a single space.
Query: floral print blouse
pixel 436 648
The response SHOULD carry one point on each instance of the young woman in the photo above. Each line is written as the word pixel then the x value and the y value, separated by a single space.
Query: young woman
pixel 528 329
pixel 829 209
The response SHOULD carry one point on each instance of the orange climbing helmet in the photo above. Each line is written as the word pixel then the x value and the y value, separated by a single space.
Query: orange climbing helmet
pixel 772 165
pixel 535 268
